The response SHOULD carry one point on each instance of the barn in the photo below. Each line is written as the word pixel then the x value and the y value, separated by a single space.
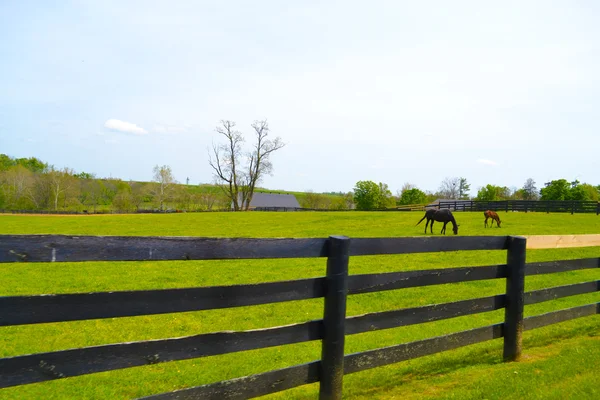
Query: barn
pixel 273 202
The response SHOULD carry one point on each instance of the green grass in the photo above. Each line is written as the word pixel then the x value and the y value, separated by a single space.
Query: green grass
pixel 558 360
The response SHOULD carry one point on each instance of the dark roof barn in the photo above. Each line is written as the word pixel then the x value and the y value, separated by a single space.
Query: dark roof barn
pixel 273 200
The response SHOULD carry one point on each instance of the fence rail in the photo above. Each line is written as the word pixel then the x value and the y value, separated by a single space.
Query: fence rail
pixel 331 330
pixel 547 206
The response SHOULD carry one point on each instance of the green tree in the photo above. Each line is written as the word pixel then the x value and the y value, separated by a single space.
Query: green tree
pixel 366 195
pixel 33 164
pixel 6 162
pixel 369 195
pixel 385 198
pixel 413 196
pixel 556 190
pixel 583 192
pixel 315 201
pixel 493 193
pixel 463 189
pixel 487 193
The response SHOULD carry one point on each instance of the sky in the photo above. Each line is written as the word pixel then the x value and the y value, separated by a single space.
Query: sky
pixel 388 91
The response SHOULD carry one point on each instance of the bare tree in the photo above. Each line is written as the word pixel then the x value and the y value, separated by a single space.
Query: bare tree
pixel 164 177
pixel 60 182
pixel 449 188
pixel 15 184
pixel 237 173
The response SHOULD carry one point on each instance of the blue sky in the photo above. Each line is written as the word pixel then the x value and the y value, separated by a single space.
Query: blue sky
pixel 389 91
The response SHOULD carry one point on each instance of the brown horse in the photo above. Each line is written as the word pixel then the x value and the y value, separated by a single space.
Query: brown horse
pixel 494 216
pixel 444 216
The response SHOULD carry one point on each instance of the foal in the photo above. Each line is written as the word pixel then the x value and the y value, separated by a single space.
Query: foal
pixel 494 216
pixel 444 216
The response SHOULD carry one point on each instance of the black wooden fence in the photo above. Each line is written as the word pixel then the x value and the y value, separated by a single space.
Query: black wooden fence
pixel 547 206
pixel 331 330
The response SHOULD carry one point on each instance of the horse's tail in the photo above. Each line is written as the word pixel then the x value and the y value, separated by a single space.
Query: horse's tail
pixel 425 216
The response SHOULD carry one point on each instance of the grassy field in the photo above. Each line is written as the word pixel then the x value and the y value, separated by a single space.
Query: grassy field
pixel 559 361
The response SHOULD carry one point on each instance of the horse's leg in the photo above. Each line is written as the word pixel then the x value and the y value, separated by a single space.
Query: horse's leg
pixel 485 223
pixel 426 224
pixel 444 228
pixel 431 226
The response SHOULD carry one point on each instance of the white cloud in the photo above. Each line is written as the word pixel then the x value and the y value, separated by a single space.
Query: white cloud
pixel 487 162
pixel 122 126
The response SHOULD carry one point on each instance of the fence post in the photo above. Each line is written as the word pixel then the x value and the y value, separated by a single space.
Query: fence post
pixel 334 317
pixel 515 288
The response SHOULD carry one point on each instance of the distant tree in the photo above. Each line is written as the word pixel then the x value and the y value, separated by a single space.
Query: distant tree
pixel 140 194
pixel 449 188
pixel 6 162
pixel 123 200
pixel 349 200
pixel 463 189
pixel 561 189
pixel 385 198
pixel 487 193
pixel 366 195
pixel 413 196
pixel 556 190
pixel 406 186
pixel 337 203
pixel 163 176
pixel 529 191
pixel 237 173
pixel 315 201
pixel 369 195
pixel 16 184
pixel 33 164
pixel 85 175
pixel 493 193
pixel 91 193
pixel 583 192
pixel 59 182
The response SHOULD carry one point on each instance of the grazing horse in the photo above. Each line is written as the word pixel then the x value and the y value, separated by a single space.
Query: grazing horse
pixel 494 216
pixel 444 216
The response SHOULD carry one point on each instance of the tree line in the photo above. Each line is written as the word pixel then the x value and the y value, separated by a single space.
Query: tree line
pixel 368 195
pixel 31 184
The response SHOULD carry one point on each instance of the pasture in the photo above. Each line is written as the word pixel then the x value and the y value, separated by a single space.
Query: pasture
pixel 559 361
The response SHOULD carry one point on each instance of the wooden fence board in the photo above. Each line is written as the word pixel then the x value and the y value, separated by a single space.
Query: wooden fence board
pixel 419 315
pixel 62 364
pixel 50 248
pixel 406 351
pixel 249 386
pixel 554 317
pixel 18 310
pixel 404 245
pixel 550 267
pixel 557 292
pixel 369 283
